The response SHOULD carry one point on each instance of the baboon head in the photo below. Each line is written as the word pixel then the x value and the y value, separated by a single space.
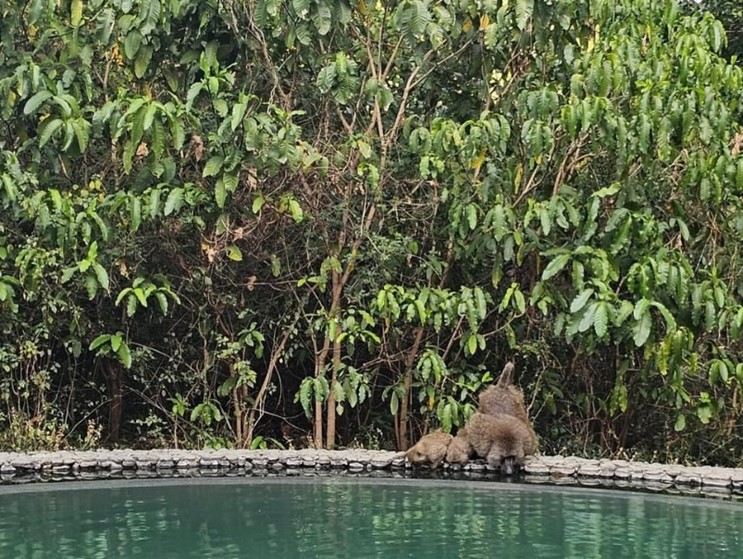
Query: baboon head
pixel 510 458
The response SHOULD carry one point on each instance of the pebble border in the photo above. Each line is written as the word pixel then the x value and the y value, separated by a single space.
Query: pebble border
pixel 31 467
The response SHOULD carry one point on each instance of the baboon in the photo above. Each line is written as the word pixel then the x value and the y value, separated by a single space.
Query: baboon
pixel 430 448
pixel 460 449
pixel 503 440
pixel 504 397
pixel 500 431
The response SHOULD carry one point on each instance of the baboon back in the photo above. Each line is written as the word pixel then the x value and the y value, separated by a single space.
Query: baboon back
pixel 460 449
pixel 505 400
pixel 430 448
pixel 504 397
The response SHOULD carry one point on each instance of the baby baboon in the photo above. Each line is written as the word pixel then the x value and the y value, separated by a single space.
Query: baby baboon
pixel 503 440
pixel 460 449
pixel 504 397
pixel 430 448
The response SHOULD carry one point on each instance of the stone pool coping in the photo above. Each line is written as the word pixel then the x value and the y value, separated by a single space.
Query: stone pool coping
pixel 16 468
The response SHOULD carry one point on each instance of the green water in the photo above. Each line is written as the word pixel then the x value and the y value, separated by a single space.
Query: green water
pixel 359 518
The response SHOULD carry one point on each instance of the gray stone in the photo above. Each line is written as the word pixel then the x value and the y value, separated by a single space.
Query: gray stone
pixel 561 469
pixel 589 470
pixel 26 465
pixel 537 468
pixel 689 478
pixel 716 480
pixel 623 473
pixel 657 477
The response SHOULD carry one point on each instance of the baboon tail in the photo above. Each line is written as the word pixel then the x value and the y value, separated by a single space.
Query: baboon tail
pixel 506 377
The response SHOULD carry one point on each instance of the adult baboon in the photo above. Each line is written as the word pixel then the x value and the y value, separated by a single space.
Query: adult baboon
pixel 500 431
pixel 503 440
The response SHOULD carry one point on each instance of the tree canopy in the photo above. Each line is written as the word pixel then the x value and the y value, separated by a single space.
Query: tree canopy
pixel 294 222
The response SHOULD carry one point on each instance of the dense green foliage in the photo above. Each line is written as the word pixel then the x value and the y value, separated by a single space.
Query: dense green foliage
pixel 251 220
pixel 730 13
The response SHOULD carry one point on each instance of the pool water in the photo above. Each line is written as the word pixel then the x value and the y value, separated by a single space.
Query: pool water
pixel 346 518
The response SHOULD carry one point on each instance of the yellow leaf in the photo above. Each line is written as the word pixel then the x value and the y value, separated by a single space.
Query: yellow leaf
pixel 234 253
pixel 519 175
pixel 467 25
pixel 76 13
pixel 477 161
pixel 484 22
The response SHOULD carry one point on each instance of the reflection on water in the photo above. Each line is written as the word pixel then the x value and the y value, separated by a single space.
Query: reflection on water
pixel 321 518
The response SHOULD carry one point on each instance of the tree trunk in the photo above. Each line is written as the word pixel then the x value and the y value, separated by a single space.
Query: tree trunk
pixel 403 436
pixel 114 381
pixel 331 397
pixel 237 400
pixel 319 366
pixel 335 314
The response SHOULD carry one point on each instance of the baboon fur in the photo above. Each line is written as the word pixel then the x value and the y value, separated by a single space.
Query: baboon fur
pixel 460 449
pixel 430 448
pixel 504 397
pixel 503 440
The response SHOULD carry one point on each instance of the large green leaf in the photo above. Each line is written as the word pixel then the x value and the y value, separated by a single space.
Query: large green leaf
pixel 555 266
pixel 524 10
pixel 33 104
